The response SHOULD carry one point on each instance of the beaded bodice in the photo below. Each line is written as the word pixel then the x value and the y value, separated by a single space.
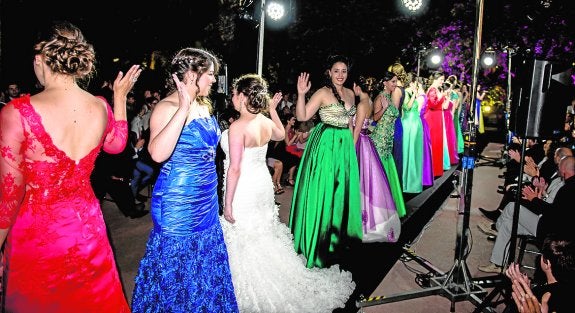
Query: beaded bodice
pixel 336 115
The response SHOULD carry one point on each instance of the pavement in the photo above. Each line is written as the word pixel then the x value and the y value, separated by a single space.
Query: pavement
pixel 433 233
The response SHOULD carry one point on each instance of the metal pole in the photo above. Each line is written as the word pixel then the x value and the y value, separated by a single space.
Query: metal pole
pixel 261 37
pixel 469 156
pixel 418 61
pixel 508 104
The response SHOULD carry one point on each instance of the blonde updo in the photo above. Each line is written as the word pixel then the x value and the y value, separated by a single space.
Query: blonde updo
pixel 255 88
pixel 398 69
pixel 66 51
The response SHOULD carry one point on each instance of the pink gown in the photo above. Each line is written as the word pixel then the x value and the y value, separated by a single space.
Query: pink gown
pixel 57 254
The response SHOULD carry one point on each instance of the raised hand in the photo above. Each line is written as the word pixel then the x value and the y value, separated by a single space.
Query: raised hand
pixel 183 94
pixel 124 83
pixel 303 84
pixel 275 101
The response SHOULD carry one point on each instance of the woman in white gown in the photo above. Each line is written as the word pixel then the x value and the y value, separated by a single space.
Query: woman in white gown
pixel 267 274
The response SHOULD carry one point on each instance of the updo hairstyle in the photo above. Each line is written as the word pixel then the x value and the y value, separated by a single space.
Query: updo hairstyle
pixel 255 88
pixel 66 51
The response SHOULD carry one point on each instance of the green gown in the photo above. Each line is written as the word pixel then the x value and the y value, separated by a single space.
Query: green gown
pixel 382 137
pixel 325 214
pixel 412 146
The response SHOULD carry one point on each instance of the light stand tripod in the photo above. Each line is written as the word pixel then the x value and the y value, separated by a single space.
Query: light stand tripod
pixel 503 159
pixel 457 284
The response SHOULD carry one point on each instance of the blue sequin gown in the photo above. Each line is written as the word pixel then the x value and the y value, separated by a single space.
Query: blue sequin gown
pixel 185 267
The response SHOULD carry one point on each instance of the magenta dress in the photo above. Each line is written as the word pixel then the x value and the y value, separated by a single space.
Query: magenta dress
pixel 427 173
pixel 380 220
pixel 450 135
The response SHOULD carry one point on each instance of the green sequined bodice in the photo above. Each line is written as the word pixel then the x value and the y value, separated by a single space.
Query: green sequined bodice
pixel 382 134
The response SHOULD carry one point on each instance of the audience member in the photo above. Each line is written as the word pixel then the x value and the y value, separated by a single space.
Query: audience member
pixel 537 217
pixel 112 175
pixel 554 294
pixel 533 152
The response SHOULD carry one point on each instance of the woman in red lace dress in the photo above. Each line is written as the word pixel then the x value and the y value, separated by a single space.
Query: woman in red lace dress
pixel 57 254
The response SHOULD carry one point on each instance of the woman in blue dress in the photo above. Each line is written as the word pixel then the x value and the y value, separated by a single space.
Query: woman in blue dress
pixel 185 267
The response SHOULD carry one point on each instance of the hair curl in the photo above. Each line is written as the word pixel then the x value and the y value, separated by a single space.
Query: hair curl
pixel 398 70
pixel 66 51
pixel 255 88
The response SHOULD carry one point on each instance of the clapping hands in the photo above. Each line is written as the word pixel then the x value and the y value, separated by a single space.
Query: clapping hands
pixel 522 294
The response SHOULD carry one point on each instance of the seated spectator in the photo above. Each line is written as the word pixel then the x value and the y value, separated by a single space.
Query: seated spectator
pixel 557 261
pixel 536 216
pixel 145 168
pixel 291 151
pixel 533 152
pixel 277 167
pixel 112 175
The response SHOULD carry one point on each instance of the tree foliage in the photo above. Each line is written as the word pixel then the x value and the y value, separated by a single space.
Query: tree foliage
pixel 376 33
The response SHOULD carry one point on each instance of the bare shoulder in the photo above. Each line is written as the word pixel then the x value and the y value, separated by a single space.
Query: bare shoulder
pixel 165 106
pixel 236 130
pixel 322 92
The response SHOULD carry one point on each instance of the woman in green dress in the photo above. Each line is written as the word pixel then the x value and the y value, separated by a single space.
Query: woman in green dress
pixel 412 136
pixel 385 113
pixel 325 215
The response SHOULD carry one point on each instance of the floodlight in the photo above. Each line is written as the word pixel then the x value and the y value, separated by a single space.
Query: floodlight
pixel 488 59
pixel 412 5
pixel 434 58
pixel 275 10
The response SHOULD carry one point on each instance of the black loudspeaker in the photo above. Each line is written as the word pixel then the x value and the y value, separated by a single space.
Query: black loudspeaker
pixel 541 92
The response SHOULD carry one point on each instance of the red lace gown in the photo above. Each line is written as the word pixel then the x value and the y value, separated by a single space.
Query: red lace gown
pixel 57 254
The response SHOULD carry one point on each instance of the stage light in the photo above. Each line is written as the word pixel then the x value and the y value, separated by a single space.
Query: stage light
pixel 275 11
pixel 434 58
pixel 489 58
pixel 412 5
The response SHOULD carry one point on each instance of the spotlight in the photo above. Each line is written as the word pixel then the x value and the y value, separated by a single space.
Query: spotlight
pixel 412 5
pixel 275 10
pixel 488 59
pixel 434 58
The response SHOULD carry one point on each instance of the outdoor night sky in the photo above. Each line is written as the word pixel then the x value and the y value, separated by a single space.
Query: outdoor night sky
pixel 374 32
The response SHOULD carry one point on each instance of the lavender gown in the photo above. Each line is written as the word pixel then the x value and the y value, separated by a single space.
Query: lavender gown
pixel 380 221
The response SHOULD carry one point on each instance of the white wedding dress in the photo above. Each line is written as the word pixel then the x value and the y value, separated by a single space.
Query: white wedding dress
pixel 267 274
